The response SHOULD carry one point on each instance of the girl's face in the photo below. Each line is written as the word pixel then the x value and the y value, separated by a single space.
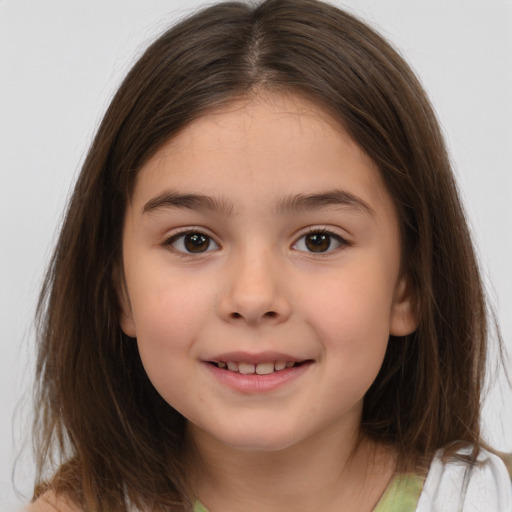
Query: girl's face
pixel 261 254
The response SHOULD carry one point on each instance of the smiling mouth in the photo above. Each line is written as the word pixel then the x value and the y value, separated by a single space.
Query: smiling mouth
pixel 258 369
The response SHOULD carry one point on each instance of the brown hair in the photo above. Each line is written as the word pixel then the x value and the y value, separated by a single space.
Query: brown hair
pixel 99 419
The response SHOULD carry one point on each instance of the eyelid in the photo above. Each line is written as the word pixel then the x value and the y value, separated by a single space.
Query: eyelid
pixel 341 241
pixel 191 230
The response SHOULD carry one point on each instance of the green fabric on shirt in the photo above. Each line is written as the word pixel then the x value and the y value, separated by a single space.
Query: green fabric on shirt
pixel 401 495
pixel 199 507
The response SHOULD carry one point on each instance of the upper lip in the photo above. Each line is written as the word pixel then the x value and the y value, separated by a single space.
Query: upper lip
pixel 255 358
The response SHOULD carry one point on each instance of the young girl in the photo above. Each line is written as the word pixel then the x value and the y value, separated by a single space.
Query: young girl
pixel 264 296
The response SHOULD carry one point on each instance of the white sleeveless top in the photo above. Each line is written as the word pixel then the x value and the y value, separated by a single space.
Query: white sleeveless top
pixel 488 486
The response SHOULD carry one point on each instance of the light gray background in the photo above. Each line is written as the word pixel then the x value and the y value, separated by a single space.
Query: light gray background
pixel 61 60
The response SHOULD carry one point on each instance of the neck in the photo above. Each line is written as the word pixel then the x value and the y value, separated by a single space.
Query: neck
pixel 331 471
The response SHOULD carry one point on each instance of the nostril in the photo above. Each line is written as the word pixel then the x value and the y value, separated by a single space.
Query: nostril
pixel 268 314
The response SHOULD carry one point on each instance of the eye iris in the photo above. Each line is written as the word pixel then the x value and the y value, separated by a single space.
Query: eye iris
pixel 318 242
pixel 195 242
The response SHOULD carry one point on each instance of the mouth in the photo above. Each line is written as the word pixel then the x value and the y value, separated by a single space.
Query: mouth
pixel 256 373
pixel 263 368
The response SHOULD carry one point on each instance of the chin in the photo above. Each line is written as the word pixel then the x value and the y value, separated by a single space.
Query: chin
pixel 259 439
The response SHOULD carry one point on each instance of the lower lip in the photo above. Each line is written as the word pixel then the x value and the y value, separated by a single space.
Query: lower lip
pixel 254 383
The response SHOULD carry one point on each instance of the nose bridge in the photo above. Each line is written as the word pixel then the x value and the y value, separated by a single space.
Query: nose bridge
pixel 254 291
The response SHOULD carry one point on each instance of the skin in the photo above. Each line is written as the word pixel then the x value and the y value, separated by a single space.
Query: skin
pixel 259 287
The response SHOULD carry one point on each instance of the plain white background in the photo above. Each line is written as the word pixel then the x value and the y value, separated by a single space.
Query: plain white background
pixel 60 62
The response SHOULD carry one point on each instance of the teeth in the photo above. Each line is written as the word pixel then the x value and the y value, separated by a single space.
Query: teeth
pixel 232 366
pixel 259 369
pixel 246 368
pixel 264 368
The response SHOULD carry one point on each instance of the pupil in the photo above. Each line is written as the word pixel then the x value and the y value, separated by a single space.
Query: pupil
pixel 195 242
pixel 318 242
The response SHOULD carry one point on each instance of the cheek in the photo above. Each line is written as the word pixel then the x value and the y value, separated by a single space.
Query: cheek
pixel 351 317
pixel 169 315
pixel 168 324
pixel 353 305
pixel 164 301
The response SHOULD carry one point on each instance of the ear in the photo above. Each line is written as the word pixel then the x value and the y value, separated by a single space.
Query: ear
pixel 126 316
pixel 404 317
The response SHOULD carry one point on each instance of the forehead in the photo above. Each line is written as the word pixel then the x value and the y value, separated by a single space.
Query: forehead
pixel 270 144
pixel 274 117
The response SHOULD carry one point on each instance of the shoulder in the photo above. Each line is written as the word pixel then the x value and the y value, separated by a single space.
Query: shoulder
pixel 456 485
pixel 49 502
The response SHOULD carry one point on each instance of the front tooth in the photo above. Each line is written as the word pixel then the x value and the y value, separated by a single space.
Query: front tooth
pixel 264 368
pixel 232 366
pixel 280 365
pixel 246 368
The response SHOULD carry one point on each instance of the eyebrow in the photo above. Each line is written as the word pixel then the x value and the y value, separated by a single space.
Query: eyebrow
pixel 291 204
pixel 191 201
pixel 326 199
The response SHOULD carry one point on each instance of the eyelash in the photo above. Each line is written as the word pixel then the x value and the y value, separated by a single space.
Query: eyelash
pixel 170 242
pixel 323 234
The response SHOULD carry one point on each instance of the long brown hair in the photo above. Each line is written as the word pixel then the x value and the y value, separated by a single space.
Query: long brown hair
pixel 111 439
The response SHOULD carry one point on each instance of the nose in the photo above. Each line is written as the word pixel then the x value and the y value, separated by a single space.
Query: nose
pixel 255 291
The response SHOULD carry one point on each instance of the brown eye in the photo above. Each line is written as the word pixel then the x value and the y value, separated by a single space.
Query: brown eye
pixel 192 243
pixel 196 242
pixel 319 242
